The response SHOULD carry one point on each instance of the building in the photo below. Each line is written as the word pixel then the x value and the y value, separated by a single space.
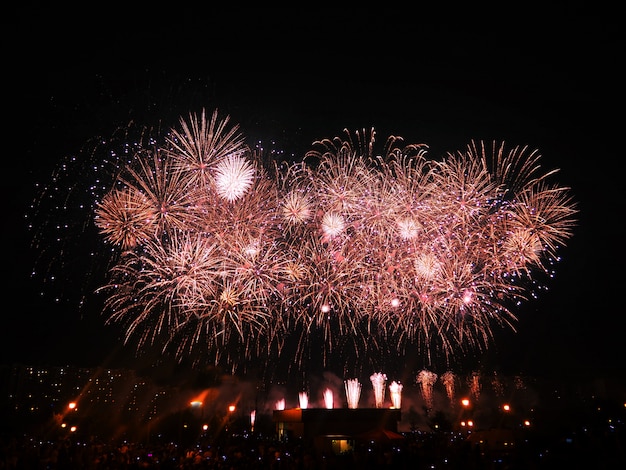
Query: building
pixel 338 430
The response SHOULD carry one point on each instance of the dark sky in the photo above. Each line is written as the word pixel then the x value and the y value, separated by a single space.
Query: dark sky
pixel 546 78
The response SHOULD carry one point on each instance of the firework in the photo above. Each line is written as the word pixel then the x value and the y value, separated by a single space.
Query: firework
pixel 122 218
pixel 378 380
pixel 426 380
pixel 303 400
pixel 475 384
pixel 328 399
pixel 220 253
pixel 233 177
pixel 353 392
pixel 496 385
pixel 201 144
pixel 448 379
pixel 395 392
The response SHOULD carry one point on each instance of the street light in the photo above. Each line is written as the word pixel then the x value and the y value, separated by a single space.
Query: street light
pixel 67 419
pixel 464 415
pixel 229 417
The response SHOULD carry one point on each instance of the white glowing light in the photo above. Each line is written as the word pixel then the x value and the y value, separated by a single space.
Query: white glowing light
pixel 332 224
pixel 303 399
pixel 448 379
pixel 395 390
pixel 234 176
pixel 328 399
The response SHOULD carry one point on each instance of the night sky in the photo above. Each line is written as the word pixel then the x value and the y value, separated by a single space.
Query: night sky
pixel 544 78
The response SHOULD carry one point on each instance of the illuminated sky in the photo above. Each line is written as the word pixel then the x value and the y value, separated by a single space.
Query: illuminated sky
pixel 550 85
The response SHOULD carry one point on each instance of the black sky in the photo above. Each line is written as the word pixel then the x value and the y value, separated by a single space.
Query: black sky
pixel 548 78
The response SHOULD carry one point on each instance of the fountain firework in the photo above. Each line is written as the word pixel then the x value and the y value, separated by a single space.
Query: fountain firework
pixel 252 419
pixel 328 399
pixel 426 380
pixel 379 380
pixel 395 392
pixel 353 392
pixel 220 253
pixel 303 400
pixel 448 379
pixel 475 384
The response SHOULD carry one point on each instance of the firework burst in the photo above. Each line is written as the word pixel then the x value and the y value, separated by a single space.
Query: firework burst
pixel 234 176
pixel 222 254
pixel 201 144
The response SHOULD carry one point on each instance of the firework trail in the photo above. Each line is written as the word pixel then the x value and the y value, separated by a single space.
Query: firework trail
pixel 219 254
